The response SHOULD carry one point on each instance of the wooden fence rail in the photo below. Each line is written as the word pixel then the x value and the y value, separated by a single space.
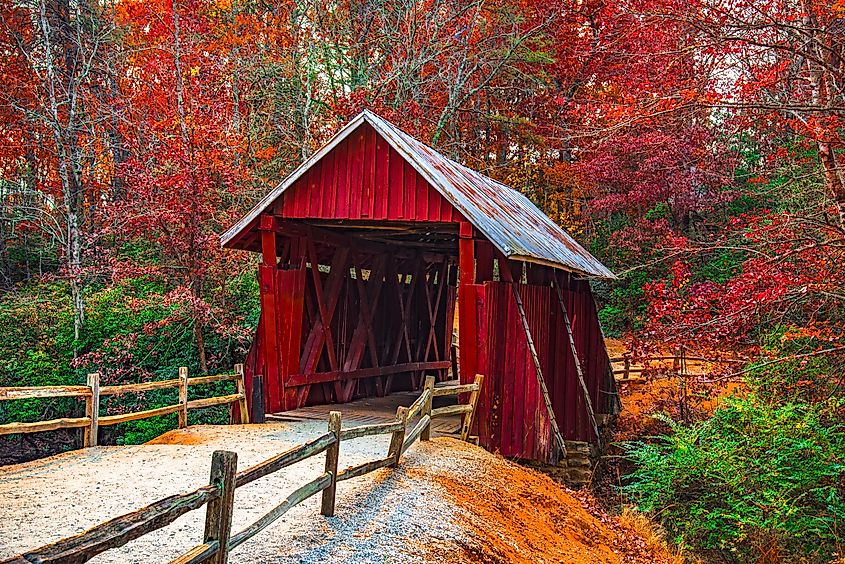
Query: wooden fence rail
pixel 218 495
pixel 679 359
pixel 92 393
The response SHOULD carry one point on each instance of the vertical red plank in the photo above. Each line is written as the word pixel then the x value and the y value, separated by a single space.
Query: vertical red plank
pixel 481 365
pixel 466 302
pixel 423 190
pixel 326 180
pixel 524 370
pixel 287 201
pixel 382 183
pixel 570 377
pixel 369 172
pixel 505 359
pixel 483 261
pixel 508 369
pixel 557 362
pixel 396 204
pixel 484 410
pixel 494 373
pixel 344 171
pixel 434 200
pixel 333 187
pixel 528 406
pixel 581 412
pixel 310 196
pixel 411 191
pixel 271 352
pixel 356 180
pixel 324 169
pixel 483 330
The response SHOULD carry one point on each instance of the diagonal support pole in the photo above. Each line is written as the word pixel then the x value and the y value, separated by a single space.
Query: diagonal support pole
pixel 578 369
pixel 538 370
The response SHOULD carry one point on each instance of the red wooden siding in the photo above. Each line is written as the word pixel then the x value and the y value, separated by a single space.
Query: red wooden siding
pixel 364 178
pixel 512 417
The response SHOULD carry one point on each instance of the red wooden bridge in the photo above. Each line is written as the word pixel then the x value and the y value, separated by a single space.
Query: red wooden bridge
pixel 365 248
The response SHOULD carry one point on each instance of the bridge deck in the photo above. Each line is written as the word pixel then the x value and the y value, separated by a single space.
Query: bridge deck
pixel 373 410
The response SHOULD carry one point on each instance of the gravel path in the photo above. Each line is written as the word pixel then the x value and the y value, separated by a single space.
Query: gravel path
pixel 448 502
pixel 381 517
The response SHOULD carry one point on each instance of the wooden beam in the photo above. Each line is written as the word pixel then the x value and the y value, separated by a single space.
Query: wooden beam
pixel 426 407
pixel 44 392
pixel 107 420
pixel 369 430
pixel 258 411
pixel 183 397
pixel 120 530
pixel 467 305
pixel 138 387
pixel 332 455
pixel 466 424
pixel 365 468
pixel 316 378
pixel 39 426
pixel 321 334
pixel 92 410
pixel 285 459
pixel 218 512
pixel 398 438
pixel 295 498
pixel 325 236
pixel 240 386
pixel 458 409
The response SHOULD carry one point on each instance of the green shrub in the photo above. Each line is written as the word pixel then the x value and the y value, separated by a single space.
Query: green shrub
pixel 754 478
pixel 130 335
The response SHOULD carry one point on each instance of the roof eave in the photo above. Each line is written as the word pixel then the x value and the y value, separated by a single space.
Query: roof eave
pixel 605 273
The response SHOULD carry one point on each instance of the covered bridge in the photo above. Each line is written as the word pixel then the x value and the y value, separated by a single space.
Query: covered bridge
pixel 365 248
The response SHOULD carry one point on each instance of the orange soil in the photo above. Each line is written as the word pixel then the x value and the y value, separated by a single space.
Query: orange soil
pixel 179 437
pixel 520 515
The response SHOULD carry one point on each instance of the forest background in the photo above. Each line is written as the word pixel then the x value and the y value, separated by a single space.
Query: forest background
pixel 694 146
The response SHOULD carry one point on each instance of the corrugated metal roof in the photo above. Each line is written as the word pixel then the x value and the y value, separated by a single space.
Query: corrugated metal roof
pixel 505 216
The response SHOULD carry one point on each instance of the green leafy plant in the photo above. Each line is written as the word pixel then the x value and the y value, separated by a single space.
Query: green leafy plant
pixel 754 479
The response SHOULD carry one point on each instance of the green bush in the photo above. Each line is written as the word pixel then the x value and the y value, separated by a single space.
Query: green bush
pixel 129 336
pixel 755 478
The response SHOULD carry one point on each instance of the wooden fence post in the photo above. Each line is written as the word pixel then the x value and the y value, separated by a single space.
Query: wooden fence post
pixel 627 373
pixel 257 399
pixel 332 455
pixel 466 424
pixel 218 513
pixel 183 397
pixel 398 436
pixel 92 410
pixel 426 408
pixel 241 389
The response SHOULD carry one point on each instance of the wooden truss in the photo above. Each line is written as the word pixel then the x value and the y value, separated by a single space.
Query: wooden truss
pixel 370 312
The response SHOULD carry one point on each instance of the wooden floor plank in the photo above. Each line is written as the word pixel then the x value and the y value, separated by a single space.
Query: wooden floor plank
pixel 370 411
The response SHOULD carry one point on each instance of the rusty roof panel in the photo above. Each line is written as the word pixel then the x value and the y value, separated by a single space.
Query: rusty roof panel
pixel 504 215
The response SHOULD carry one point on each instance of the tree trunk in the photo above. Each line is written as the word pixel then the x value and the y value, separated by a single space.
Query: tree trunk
pixel 64 135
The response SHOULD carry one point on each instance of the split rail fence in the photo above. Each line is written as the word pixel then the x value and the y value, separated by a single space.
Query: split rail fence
pixel 92 392
pixel 679 363
pixel 218 495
